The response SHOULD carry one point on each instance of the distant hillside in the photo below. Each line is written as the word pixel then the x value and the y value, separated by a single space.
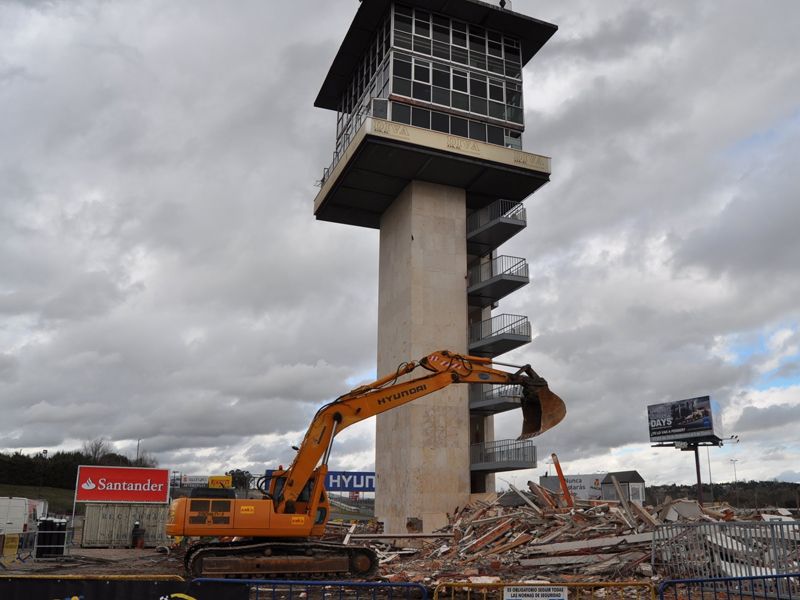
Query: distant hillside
pixel 59 500
pixel 744 494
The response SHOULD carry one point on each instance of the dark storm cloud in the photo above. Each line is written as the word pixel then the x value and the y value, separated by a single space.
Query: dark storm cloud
pixel 162 278
pixel 755 418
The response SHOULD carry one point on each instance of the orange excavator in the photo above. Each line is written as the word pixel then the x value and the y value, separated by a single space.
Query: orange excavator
pixel 277 535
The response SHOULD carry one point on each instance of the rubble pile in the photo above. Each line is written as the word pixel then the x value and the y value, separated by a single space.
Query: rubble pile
pixel 524 536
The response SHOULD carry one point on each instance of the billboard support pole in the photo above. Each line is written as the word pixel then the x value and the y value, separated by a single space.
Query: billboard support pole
pixel 697 468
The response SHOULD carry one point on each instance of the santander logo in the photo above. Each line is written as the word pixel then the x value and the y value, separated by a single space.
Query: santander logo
pixel 88 484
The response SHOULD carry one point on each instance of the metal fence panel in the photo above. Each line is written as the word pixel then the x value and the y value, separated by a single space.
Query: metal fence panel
pixel 757 587
pixel 276 589
pixel 719 550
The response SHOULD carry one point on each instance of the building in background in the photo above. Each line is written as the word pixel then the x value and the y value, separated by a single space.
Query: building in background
pixel 632 485
pixel 428 150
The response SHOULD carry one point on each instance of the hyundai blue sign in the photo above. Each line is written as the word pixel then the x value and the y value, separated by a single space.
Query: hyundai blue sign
pixel 346 481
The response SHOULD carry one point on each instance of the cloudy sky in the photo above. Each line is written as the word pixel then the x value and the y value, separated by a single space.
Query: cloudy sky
pixel 162 277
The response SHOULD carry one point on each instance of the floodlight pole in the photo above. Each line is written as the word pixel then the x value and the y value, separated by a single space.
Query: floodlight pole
pixel 697 468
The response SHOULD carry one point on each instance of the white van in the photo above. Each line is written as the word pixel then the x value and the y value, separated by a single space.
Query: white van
pixel 13 515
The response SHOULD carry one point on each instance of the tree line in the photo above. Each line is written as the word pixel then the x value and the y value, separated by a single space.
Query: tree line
pixel 60 469
pixel 742 494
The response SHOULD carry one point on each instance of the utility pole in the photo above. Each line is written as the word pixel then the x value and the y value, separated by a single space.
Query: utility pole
pixel 735 480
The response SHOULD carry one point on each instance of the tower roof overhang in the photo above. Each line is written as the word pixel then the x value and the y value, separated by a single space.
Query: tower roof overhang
pixel 384 157
pixel 532 33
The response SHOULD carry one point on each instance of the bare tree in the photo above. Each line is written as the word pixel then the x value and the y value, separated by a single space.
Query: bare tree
pixel 96 449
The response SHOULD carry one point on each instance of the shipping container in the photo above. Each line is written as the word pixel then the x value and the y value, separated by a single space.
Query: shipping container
pixel 109 525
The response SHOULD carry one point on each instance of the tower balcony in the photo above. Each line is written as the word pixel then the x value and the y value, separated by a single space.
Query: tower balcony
pixel 489 399
pixel 493 225
pixel 498 335
pixel 502 455
pixel 489 281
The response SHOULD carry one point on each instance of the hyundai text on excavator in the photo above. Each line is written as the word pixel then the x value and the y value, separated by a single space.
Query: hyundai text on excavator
pixel 275 535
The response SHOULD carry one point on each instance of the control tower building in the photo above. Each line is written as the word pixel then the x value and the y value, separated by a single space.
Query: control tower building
pixel 429 121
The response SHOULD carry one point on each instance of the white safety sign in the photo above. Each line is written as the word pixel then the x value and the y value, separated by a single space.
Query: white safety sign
pixel 535 592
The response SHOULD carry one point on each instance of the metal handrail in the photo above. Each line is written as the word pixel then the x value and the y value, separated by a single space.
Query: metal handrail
pixel 488 393
pixel 508 324
pixel 500 451
pixel 500 265
pixel 506 209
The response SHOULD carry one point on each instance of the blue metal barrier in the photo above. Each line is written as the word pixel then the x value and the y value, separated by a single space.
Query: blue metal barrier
pixel 279 589
pixel 754 587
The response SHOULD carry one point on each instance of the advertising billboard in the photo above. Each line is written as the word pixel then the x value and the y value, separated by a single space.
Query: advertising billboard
pixel 194 481
pixel 122 484
pixel 346 481
pixel 582 487
pixel 690 420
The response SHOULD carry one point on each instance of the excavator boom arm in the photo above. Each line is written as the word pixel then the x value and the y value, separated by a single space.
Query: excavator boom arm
pixel 542 409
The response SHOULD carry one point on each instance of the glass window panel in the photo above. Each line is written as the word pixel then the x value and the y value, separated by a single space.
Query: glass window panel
pixel 477 105
pixel 513 139
pixel 422 91
pixel 441 75
pixel 477 131
pixel 421 118
pixel 477 60
pixel 495 49
pixel 495 65
pixel 459 34
pixel 402 23
pixel 402 68
pixel 514 114
pixel 496 90
pixel 459 55
pixel 441 34
pixel 441 96
pixel 494 36
pixel 460 101
pixel 513 70
pixel 401 113
pixel 497 110
pixel 459 126
pixel 512 54
pixel 477 86
pixel 422 45
pixel 401 86
pixel 441 122
pixel 460 80
pixel 400 9
pixel 477 44
pixel 402 40
pixel 441 50
pixel 513 94
pixel 422 23
pixel 422 71
pixel 494 135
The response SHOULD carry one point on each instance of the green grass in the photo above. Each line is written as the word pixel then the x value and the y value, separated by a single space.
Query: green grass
pixel 59 500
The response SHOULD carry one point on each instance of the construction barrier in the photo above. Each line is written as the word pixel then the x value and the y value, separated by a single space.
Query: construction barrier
pixel 754 587
pixel 621 590
pixel 277 589
pixel 31 587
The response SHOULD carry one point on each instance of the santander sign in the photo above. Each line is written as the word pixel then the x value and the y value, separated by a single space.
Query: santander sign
pixel 122 484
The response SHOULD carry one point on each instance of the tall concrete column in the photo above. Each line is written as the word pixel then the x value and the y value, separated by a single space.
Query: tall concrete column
pixel 422 456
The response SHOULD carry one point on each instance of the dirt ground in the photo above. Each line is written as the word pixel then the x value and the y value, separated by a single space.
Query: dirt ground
pixel 100 561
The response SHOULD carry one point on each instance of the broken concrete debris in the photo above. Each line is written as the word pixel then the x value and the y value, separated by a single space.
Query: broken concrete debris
pixel 523 535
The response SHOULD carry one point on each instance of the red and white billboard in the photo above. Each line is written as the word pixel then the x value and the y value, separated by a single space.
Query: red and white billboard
pixel 122 484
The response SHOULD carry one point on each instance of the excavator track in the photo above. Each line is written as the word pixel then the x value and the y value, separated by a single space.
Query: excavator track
pixel 279 560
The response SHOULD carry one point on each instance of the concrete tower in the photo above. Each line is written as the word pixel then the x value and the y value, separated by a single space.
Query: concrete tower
pixel 428 98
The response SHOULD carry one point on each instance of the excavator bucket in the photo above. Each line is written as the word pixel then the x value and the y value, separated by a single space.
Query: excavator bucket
pixel 541 410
